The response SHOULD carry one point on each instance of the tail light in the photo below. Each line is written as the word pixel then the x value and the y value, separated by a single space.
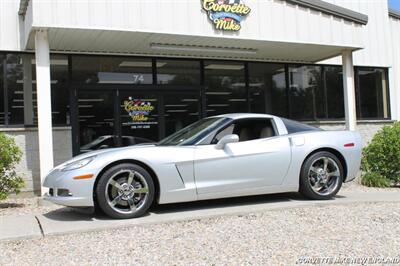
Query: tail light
pixel 347 145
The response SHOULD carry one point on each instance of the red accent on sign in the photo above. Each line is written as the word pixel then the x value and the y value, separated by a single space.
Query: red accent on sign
pixel 349 145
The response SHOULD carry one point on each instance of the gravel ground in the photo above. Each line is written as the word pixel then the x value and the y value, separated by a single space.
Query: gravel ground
pixel 32 205
pixel 278 237
pixel 20 206
pixel 356 187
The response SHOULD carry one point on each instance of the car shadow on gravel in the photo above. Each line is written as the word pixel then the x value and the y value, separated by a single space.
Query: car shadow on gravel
pixel 67 214
pixel 74 214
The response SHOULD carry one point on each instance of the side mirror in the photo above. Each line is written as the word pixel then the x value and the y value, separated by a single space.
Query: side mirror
pixel 231 138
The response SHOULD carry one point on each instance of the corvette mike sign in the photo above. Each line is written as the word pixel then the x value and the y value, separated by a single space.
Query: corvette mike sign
pixel 226 15
pixel 139 110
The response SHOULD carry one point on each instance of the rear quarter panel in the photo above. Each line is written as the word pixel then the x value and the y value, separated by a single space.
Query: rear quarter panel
pixel 305 143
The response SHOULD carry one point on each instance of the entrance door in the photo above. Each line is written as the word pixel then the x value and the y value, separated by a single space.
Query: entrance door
pixel 150 116
pixel 139 115
pixel 96 120
pixel 122 117
pixel 180 110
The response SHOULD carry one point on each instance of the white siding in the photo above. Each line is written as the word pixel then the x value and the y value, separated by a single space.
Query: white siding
pixel 376 36
pixel 395 71
pixel 272 20
pixel 9 25
pixel 380 42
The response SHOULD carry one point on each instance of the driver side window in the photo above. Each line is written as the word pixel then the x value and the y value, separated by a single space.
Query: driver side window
pixel 228 130
pixel 247 129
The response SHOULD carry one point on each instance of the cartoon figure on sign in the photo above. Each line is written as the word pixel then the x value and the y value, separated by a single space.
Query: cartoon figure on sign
pixel 226 14
pixel 138 110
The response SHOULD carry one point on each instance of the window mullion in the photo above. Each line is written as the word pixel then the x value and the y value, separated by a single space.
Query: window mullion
pixel 5 91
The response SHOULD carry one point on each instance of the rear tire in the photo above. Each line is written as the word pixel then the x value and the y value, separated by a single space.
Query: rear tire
pixel 125 191
pixel 321 176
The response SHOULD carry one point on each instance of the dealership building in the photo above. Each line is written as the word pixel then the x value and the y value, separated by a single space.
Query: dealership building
pixel 79 75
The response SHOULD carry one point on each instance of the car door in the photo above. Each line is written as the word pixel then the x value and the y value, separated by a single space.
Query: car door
pixel 244 165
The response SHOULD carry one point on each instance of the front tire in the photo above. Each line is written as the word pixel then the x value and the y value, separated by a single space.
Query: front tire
pixel 321 176
pixel 125 191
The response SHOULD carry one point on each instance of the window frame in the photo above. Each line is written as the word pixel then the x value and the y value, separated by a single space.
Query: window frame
pixel 156 71
pixel 271 120
pixel 203 101
pixel 358 94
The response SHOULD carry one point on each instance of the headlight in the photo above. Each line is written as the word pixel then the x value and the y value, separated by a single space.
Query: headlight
pixel 77 164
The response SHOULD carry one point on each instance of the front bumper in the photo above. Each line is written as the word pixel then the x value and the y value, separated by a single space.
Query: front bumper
pixel 75 193
pixel 68 201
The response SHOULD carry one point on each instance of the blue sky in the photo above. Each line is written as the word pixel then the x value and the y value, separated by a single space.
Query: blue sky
pixel 394 4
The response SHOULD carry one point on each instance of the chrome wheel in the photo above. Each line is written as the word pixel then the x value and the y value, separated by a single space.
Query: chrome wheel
pixel 126 191
pixel 324 176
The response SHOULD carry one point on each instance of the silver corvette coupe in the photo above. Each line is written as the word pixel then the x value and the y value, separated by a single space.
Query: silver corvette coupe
pixel 222 156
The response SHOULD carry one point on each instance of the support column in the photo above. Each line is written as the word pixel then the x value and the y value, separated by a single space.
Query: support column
pixel 28 99
pixel 349 90
pixel 43 82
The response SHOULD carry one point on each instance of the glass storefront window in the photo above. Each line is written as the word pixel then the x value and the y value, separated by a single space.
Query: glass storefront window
pixel 372 93
pixel 2 120
pixel 225 87
pixel 14 83
pixel 111 70
pixel 267 88
pixel 334 92
pixel 178 72
pixel 315 92
pixel 306 96
pixel 180 110
pixel 59 90
pixel 96 120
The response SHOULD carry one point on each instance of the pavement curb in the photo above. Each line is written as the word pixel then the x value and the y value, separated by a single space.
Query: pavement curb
pixel 19 227
pixel 67 222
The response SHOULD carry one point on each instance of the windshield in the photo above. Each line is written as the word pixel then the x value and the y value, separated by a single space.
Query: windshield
pixel 94 142
pixel 193 133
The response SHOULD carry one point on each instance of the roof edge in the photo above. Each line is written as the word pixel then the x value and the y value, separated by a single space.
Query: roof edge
pixel 394 13
pixel 332 9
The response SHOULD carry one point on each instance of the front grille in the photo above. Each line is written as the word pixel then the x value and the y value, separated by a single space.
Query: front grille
pixel 62 192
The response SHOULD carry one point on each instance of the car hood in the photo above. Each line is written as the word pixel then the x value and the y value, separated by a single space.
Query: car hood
pixel 104 152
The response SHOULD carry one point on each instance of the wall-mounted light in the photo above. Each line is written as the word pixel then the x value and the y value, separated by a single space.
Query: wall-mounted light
pixel 54 62
pixel 140 64
pixel 202 48
pixel 224 67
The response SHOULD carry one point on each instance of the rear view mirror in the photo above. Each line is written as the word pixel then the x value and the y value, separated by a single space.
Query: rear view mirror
pixel 231 138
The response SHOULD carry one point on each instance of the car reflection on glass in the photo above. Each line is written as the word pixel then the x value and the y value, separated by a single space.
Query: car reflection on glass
pixel 108 141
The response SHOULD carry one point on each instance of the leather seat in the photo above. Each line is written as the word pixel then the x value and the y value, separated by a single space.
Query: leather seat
pixel 266 132
pixel 244 134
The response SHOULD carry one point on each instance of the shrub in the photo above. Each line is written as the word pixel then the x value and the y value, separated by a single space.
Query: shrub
pixel 374 180
pixel 10 155
pixel 381 158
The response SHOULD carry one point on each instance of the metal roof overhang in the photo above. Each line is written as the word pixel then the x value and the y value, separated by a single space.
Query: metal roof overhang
pixel 92 41
pixel 394 13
